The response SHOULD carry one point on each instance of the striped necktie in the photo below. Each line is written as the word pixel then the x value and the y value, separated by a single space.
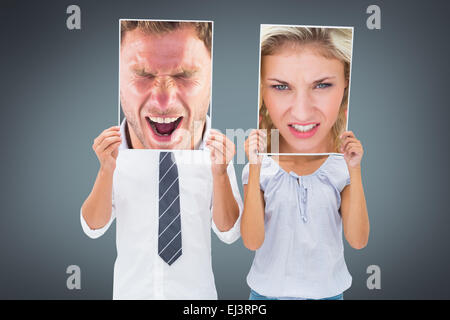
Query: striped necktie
pixel 169 231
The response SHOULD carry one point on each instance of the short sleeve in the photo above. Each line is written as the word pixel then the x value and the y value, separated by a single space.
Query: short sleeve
pixel 347 182
pixel 268 170
pixel 344 179
pixel 234 233
pixel 96 233
pixel 245 173
pixel 337 172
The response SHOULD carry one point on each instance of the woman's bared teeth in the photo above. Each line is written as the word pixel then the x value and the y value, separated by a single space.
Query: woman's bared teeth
pixel 304 128
pixel 163 120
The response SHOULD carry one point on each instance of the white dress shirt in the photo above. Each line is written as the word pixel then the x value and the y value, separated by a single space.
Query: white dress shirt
pixel 139 272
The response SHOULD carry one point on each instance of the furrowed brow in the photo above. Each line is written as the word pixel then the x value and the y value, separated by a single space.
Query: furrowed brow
pixel 323 79
pixel 186 73
pixel 277 80
pixel 142 72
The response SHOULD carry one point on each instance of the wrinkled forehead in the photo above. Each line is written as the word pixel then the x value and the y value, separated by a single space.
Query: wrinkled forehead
pixel 301 66
pixel 313 47
pixel 168 51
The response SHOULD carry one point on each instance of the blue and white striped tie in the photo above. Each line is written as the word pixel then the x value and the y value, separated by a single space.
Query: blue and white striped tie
pixel 169 232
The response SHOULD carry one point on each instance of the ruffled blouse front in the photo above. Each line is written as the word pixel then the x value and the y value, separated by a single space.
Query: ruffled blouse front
pixel 303 253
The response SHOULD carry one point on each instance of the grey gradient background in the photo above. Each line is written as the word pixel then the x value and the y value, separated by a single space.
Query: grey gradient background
pixel 59 91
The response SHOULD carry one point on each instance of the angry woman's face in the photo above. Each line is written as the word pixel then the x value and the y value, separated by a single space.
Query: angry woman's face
pixel 303 92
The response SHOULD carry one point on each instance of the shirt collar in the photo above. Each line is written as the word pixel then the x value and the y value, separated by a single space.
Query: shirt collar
pixel 124 144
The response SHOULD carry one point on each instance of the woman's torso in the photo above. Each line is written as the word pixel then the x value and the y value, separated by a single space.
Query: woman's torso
pixel 302 254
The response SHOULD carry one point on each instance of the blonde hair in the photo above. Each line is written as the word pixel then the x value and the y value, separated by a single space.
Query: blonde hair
pixel 331 43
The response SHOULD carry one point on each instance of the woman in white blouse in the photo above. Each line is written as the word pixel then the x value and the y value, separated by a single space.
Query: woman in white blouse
pixel 295 207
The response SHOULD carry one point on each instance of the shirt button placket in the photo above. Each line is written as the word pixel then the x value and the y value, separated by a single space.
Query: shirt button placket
pixel 303 199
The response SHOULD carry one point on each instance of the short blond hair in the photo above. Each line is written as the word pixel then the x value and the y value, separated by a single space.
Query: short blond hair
pixel 203 29
pixel 331 43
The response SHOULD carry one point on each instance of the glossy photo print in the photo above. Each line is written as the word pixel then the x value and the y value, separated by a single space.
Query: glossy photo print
pixel 304 87
pixel 165 74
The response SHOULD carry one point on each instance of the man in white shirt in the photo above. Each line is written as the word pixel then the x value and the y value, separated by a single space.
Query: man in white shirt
pixel 165 86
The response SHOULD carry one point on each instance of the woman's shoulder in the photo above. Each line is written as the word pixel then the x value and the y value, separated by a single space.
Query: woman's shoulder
pixel 335 161
pixel 269 170
pixel 335 171
pixel 269 166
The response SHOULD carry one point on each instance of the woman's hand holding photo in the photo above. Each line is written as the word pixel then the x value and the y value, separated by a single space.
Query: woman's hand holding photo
pixel 254 145
pixel 355 218
pixel 352 149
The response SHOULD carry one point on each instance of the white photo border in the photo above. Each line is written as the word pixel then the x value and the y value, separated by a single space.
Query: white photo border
pixel 259 85
pixel 212 72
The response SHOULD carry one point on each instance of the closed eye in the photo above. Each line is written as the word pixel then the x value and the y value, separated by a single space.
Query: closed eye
pixel 185 74
pixel 143 74
pixel 181 76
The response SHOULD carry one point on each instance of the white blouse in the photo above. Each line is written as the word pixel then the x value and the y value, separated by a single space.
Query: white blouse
pixel 303 254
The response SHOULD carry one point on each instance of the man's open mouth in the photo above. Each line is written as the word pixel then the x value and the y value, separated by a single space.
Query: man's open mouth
pixel 164 127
